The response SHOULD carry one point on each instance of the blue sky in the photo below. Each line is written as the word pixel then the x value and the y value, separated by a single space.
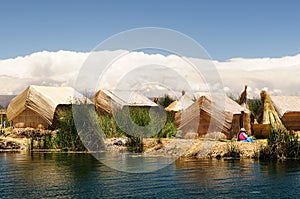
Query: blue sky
pixel 226 29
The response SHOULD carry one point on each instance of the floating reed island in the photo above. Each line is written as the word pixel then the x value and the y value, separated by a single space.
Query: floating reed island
pixel 41 118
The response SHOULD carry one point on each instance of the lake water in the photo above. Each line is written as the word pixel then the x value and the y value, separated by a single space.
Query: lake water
pixel 62 175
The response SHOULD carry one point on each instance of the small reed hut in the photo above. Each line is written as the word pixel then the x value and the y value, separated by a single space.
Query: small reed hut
pixel 206 116
pixel 288 109
pixel 35 107
pixel 181 104
pixel 106 101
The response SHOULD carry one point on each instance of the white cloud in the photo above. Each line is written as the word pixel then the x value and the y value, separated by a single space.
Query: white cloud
pixel 43 64
pixel 137 69
pixel 259 64
pixel 280 75
pixel 43 68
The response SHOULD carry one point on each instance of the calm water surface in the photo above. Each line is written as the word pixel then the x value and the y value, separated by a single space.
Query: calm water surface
pixel 60 175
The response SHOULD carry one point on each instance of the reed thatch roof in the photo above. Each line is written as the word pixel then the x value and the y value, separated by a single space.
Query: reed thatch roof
pixel 229 105
pixel 286 104
pixel 288 108
pixel 106 100
pixel 181 104
pixel 43 101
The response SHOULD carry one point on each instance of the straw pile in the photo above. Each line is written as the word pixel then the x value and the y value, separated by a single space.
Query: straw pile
pixel 268 114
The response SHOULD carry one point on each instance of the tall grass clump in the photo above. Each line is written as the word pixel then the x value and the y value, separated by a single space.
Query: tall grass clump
pixel 169 130
pixel 67 136
pixel 165 101
pixel 137 123
pixel 134 123
pixel 48 141
pixel 254 106
pixel 281 145
pixel 232 151
pixel 109 126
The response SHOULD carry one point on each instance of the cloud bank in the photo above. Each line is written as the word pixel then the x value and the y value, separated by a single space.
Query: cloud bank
pixel 41 68
pixel 279 75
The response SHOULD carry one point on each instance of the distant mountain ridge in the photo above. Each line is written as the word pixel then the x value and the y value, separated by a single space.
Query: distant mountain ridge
pixel 5 100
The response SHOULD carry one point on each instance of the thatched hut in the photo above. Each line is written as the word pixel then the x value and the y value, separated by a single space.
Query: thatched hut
pixel 181 104
pixel 35 107
pixel 288 108
pixel 206 116
pixel 106 101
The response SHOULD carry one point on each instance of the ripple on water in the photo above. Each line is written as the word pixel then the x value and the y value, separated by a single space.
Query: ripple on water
pixel 62 175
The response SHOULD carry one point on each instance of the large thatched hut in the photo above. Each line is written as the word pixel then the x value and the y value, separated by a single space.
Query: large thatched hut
pixel 35 107
pixel 106 101
pixel 288 108
pixel 206 116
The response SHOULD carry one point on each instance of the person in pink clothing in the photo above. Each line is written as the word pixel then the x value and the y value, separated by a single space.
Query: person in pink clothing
pixel 243 136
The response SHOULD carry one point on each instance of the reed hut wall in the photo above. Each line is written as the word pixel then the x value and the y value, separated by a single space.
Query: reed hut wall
pixel 29 118
pixel 199 118
pixel 291 120
pixel 288 109
pixel 261 130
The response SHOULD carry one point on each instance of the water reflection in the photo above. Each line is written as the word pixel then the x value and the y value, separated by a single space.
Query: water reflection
pixel 63 175
pixel 133 162
pixel 223 176
pixel 217 169
pixel 44 172
pixel 242 177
